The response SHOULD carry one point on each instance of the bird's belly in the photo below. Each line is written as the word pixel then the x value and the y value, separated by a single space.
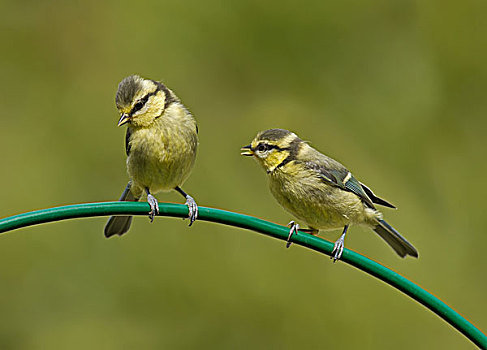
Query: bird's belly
pixel 323 207
pixel 159 165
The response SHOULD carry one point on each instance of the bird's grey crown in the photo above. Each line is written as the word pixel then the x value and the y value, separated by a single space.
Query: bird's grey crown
pixel 127 89
pixel 274 134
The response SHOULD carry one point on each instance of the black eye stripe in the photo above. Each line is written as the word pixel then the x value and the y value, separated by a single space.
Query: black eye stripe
pixel 141 103
pixel 138 106
pixel 262 147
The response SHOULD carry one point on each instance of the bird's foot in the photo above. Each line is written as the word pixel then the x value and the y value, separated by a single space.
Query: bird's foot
pixel 154 206
pixel 338 249
pixel 192 209
pixel 294 227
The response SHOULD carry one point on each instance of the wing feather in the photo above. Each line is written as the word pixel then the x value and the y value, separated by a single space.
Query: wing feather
pixel 127 141
pixel 340 177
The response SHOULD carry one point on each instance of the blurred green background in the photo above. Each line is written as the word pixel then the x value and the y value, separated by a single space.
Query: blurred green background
pixel 393 89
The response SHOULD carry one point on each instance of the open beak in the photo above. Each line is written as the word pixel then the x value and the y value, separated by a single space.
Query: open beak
pixel 123 119
pixel 246 151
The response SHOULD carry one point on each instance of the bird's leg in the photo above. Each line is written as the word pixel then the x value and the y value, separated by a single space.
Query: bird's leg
pixel 192 206
pixel 339 245
pixel 154 205
pixel 294 227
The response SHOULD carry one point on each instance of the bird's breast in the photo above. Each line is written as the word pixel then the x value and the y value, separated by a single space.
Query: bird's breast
pixel 316 203
pixel 161 158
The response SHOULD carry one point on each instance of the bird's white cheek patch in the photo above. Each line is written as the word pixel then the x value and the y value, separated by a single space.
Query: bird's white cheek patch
pixel 262 155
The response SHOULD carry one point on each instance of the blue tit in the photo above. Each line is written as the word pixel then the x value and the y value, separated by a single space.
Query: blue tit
pixel 320 191
pixel 160 143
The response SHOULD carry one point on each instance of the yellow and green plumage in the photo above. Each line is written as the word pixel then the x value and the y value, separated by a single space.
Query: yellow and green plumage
pixel 318 190
pixel 160 143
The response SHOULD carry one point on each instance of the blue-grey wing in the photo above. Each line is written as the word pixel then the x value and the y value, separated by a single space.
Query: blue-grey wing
pixel 127 141
pixel 335 174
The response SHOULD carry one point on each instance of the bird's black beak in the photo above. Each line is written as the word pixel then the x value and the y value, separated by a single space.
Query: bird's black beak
pixel 125 118
pixel 246 151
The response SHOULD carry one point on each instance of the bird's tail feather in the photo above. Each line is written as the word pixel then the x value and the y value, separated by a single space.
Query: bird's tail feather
pixel 118 225
pixel 395 240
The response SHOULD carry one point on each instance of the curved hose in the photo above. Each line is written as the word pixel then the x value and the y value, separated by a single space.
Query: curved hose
pixel 251 223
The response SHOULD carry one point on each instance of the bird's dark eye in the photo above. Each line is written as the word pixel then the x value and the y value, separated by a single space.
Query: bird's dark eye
pixel 140 103
pixel 138 106
pixel 262 147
